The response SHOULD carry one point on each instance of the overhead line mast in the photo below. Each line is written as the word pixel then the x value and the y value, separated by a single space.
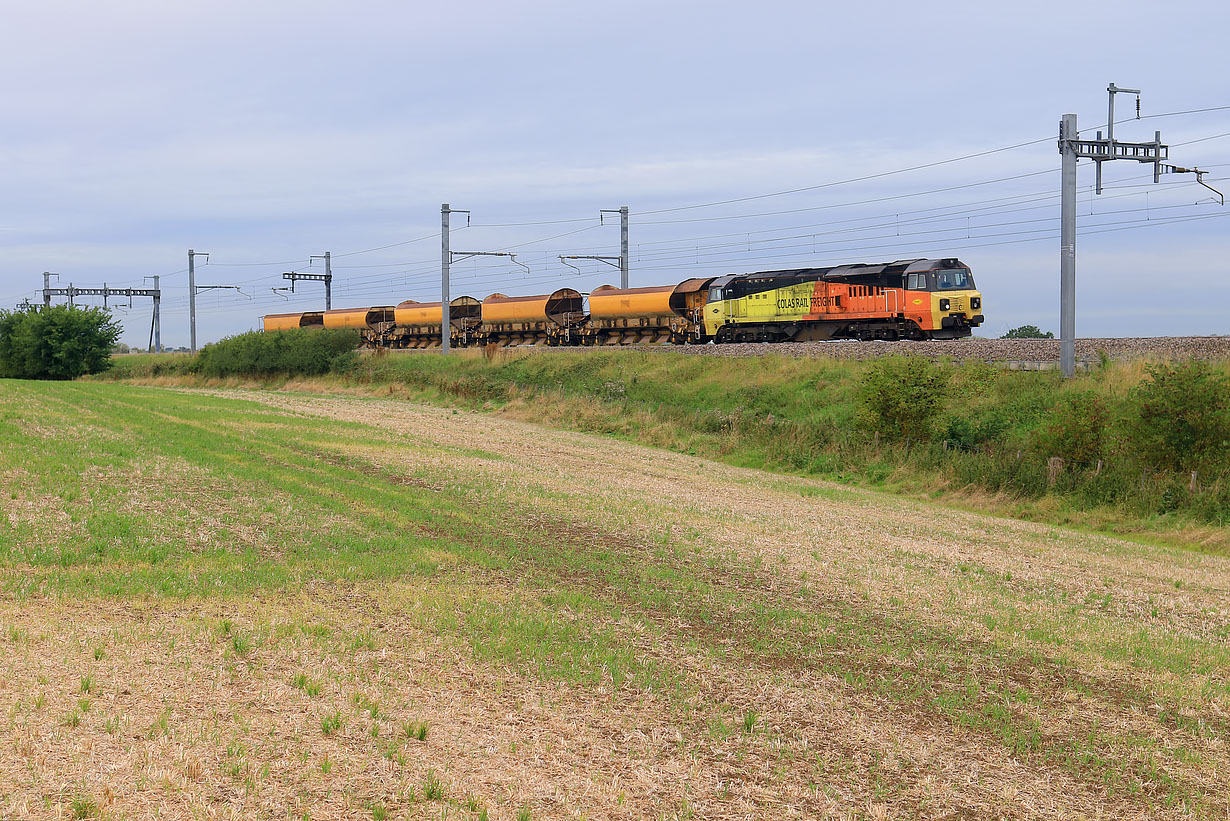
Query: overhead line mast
pixel 72 292
pixel 1072 148
pixel 447 258
pixel 620 261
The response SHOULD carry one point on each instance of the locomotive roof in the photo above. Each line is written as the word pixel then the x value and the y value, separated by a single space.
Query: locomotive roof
pixel 856 270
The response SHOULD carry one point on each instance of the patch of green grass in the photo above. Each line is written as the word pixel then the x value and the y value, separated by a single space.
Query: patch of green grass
pixel 393 752
pixel 307 685
pixel 433 789
pixel 331 723
pixel 83 806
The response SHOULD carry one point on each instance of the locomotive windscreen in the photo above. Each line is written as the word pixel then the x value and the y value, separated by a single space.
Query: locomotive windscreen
pixel 953 279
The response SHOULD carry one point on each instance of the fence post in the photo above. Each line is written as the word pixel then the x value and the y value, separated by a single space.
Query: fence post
pixel 1053 466
pixel 1193 486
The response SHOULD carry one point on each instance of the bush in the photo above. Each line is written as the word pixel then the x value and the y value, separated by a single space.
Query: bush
pixel 1076 430
pixel 294 352
pixel 56 342
pixel 1028 332
pixel 1179 418
pixel 902 394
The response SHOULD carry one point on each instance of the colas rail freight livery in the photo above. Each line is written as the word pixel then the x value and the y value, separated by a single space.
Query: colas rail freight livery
pixel 906 299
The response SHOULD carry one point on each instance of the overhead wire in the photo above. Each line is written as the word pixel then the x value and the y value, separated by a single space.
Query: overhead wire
pixel 410 274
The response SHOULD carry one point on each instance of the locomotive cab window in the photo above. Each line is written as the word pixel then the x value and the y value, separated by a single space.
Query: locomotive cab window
pixel 715 294
pixel 918 282
pixel 953 279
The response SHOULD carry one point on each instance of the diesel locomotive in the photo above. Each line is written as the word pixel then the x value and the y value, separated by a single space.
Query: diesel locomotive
pixel 906 299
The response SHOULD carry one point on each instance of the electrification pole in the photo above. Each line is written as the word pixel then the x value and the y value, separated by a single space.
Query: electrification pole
pixel 623 247
pixel 1067 247
pixel 72 292
pixel 620 261
pixel 446 260
pixel 328 278
pixel 157 316
pixel 192 293
pixel 446 257
pixel 1071 148
pixel 47 275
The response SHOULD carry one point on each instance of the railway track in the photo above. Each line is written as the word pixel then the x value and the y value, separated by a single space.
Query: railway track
pixel 1026 354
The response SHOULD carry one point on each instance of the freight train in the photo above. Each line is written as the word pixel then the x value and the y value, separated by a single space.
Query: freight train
pixel 906 299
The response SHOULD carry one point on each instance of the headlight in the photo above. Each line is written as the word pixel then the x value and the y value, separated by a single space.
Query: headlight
pixel 945 304
pixel 975 302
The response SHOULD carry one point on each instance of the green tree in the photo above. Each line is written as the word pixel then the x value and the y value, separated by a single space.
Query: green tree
pixel 1179 418
pixel 902 395
pixel 1028 332
pixel 56 342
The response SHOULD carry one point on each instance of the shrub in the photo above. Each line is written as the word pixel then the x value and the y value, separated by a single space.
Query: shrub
pixel 294 352
pixel 1179 418
pixel 1076 430
pixel 56 342
pixel 902 394
pixel 1028 332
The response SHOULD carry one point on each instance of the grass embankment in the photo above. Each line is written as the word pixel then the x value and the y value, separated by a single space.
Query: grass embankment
pixel 281 605
pixel 989 447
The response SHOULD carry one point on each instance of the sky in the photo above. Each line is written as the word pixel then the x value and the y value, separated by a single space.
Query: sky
pixel 742 137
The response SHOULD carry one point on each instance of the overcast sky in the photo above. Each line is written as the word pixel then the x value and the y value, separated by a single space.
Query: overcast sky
pixel 265 132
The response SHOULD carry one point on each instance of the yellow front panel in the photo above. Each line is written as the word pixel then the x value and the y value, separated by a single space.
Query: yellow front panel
pixel 958 303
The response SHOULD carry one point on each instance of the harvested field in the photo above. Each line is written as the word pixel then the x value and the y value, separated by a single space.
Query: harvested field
pixel 253 604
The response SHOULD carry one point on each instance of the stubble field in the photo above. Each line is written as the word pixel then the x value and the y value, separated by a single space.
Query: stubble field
pixel 236 605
